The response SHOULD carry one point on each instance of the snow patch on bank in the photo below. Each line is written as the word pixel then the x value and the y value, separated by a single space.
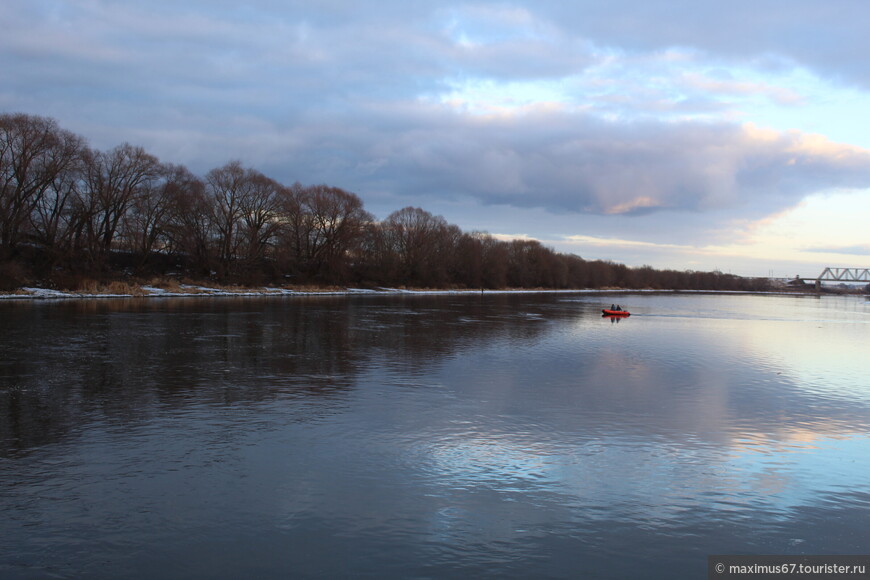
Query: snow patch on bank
pixel 192 291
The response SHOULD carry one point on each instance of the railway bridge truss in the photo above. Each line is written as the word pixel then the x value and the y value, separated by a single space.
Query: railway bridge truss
pixel 830 274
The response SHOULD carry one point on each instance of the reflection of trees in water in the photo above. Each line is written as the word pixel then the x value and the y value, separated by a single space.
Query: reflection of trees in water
pixel 66 365
pixel 411 333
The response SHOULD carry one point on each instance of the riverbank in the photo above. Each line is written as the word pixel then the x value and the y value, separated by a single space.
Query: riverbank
pixel 200 291
pixel 197 291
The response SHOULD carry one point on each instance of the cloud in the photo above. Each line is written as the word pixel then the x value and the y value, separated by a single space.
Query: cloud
pixel 729 85
pixel 568 161
pixel 622 243
pixel 856 250
pixel 829 37
pixel 511 43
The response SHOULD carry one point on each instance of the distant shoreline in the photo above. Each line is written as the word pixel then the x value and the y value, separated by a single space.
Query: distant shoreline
pixel 147 292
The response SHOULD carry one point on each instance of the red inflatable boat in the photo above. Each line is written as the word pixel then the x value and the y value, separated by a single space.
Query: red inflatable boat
pixel 608 312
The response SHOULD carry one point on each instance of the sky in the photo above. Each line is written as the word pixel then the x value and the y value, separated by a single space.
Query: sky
pixel 684 135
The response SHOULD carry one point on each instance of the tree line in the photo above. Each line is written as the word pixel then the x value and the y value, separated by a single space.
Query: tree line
pixel 68 210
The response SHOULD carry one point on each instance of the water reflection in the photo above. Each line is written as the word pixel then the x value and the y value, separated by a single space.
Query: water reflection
pixel 125 359
pixel 487 436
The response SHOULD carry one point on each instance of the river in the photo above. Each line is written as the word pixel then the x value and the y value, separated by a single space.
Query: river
pixel 492 435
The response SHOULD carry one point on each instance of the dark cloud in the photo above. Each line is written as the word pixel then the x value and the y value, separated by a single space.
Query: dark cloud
pixel 576 163
pixel 828 37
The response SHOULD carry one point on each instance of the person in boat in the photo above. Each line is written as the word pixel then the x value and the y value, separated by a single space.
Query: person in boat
pixel 612 307
pixel 618 308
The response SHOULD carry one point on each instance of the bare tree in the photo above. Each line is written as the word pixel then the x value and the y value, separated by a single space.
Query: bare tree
pixel 146 224
pixel 115 179
pixel 190 229
pixel 482 261
pixel 527 263
pixel 421 243
pixel 227 186
pixel 337 218
pixel 55 217
pixel 260 222
pixel 322 229
pixel 34 156
pixel 375 261
pixel 294 227
pixel 495 262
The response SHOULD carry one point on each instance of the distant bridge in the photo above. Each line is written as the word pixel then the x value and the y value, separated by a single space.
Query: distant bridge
pixel 840 275
pixel 844 275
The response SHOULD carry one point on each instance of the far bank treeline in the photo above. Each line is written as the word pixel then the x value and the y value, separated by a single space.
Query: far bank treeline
pixel 68 212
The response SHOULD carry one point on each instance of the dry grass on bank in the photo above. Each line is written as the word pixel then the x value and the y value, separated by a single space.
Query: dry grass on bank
pixel 90 286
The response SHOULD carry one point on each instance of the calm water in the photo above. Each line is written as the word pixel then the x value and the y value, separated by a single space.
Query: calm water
pixel 421 436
